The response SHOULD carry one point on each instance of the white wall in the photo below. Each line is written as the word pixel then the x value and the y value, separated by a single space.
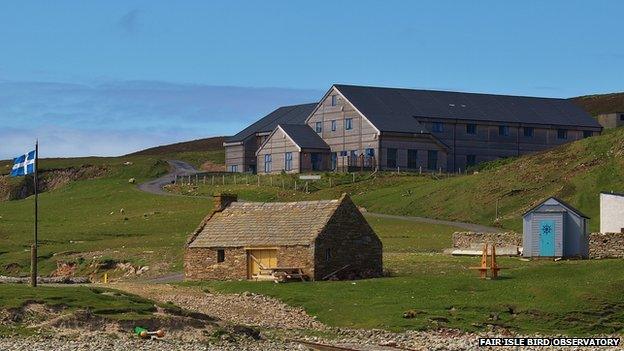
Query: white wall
pixel 611 213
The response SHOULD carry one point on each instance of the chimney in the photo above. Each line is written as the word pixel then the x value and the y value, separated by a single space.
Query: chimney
pixel 223 200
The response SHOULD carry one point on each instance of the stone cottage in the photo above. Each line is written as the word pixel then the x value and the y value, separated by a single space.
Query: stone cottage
pixel 321 237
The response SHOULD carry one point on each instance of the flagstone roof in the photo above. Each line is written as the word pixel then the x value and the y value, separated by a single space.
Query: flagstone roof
pixel 248 224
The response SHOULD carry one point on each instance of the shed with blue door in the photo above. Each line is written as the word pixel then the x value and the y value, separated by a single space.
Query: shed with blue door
pixel 555 229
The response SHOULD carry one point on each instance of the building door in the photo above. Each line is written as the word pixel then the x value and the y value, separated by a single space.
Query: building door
pixel 317 161
pixel 260 259
pixel 547 237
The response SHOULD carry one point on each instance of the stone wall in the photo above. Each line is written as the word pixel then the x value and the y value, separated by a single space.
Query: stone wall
pixel 201 263
pixel 348 240
pixel 606 245
pixel 463 240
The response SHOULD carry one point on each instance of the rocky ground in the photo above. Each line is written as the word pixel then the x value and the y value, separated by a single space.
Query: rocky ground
pixel 246 308
pixel 274 326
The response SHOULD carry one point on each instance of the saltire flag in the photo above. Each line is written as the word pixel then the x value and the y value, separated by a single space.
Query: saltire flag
pixel 23 165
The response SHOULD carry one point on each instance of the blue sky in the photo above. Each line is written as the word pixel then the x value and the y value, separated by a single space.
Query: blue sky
pixel 107 78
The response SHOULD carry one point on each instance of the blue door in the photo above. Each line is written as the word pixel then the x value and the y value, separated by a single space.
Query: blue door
pixel 547 237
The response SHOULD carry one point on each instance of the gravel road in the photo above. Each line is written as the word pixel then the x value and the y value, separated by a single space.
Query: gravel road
pixel 178 168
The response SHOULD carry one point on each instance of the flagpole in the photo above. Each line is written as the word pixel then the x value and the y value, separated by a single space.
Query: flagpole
pixel 33 251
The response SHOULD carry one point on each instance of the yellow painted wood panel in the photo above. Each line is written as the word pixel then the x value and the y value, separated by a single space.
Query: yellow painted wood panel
pixel 258 258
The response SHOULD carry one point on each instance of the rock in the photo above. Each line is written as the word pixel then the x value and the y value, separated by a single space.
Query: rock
pixel 131 180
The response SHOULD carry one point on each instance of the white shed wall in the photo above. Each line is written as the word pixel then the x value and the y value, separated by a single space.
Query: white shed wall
pixel 611 213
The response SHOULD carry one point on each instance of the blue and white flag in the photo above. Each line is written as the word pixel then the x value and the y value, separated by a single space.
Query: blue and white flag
pixel 23 165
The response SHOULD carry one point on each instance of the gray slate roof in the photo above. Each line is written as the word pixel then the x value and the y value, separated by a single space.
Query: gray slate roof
pixel 253 224
pixel 304 136
pixel 394 109
pixel 295 114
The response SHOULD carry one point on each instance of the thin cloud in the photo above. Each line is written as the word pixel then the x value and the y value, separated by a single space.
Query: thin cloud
pixel 118 117
pixel 129 22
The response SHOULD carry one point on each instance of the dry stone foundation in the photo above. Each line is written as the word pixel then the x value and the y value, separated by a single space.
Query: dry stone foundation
pixel 606 245
pixel 464 240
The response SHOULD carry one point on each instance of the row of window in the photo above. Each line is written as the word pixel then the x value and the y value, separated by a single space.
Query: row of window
pixel 268 162
pixel 348 125
pixel 412 158
pixel 471 128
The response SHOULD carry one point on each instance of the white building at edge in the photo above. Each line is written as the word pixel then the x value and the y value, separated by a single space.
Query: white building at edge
pixel 611 212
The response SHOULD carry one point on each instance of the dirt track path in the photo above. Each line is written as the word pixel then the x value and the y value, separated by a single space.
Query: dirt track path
pixel 247 309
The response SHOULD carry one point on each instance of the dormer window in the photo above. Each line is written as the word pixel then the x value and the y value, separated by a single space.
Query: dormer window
pixel 437 127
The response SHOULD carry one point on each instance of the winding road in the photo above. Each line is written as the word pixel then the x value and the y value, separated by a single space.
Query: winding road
pixel 178 168
pixel 181 168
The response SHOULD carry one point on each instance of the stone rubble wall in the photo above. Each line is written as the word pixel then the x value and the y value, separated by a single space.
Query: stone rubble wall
pixel 606 245
pixel 200 263
pixel 464 240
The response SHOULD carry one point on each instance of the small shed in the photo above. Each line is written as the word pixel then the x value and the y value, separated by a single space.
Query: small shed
pixel 239 240
pixel 555 229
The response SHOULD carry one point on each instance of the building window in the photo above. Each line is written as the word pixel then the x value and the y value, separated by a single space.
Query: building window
pixel 437 127
pixel 621 117
pixel 343 153
pixel 587 133
pixel 288 161
pixel 268 160
pixel 562 134
pixel 334 100
pixel 503 130
pixel 412 158
pixel 471 128
pixel 471 160
pixel 334 161
pixel 220 255
pixel 432 160
pixel 319 127
pixel 328 254
pixel 333 125
pixel 370 153
pixel 234 168
pixel 528 132
pixel 391 161
pixel 354 155
pixel 349 123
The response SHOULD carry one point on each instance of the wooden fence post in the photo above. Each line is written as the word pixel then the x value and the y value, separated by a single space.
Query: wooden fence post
pixel 224 179
pixel 212 180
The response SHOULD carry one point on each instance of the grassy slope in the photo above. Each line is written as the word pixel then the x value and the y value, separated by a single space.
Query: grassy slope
pixel 604 103
pixel 84 217
pixel 576 172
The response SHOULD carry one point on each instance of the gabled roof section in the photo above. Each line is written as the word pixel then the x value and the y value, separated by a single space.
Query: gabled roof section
pixel 304 136
pixel 396 110
pixel 257 224
pixel 295 114
pixel 562 203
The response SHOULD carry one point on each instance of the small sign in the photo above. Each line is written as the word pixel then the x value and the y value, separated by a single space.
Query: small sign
pixel 309 177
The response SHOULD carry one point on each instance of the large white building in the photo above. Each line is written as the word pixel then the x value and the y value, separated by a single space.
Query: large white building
pixel 611 212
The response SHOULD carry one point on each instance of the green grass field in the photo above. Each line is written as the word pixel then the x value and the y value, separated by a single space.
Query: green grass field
pixel 569 297
pixel 82 221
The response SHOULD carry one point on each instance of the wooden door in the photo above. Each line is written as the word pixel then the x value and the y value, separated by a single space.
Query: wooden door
pixel 547 238
pixel 260 258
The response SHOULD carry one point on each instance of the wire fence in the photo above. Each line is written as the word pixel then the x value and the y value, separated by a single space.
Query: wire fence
pixel 297 182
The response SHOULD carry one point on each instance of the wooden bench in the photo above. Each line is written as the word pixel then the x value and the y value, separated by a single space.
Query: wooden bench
pixel 281 274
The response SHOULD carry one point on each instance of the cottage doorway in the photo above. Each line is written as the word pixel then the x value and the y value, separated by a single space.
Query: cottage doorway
pixel 258 259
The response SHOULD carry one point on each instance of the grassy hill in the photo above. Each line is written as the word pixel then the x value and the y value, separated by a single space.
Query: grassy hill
pixel 576 172
pixel 207 144
pixel 601 103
